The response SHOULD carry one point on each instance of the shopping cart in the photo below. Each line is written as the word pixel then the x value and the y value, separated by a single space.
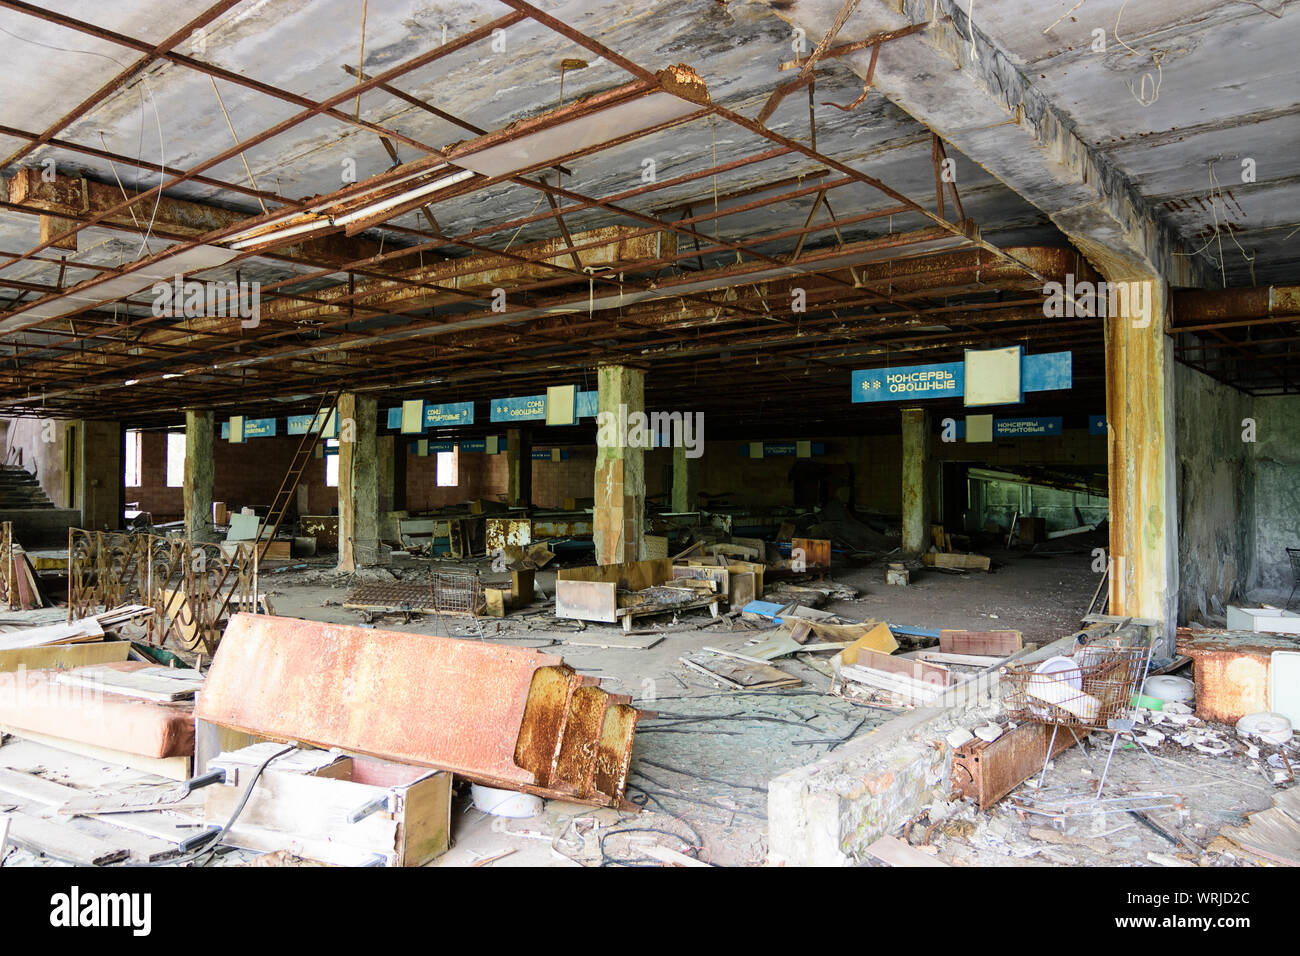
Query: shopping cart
pixel 1094 690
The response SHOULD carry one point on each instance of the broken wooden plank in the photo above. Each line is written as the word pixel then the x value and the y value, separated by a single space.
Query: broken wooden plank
pixel 1272 834
pixel 893 683
pixel 709 674
pixel 959 562
pixel 147 684
pixel 869 636
pixel 603 638
pixel 62 842
pixel 996 643
pixel 85 629
pixel 666 855
pixel 745 675
pixel 932 675
pixel 969 660
pixel 63 656
pixel 33 790
pixel 895 852
pixel 173 768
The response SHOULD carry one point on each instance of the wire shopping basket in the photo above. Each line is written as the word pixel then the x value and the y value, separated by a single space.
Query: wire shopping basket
pixel 1090 690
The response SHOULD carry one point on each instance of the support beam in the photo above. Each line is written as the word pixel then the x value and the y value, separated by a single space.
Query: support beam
pixel 519 467
pixel 358 482
pixel 686 477
pixel 101 475
pixel 968 91
pixel 916 496
pixel 619 526
pixel 199 472
pixel 1142 461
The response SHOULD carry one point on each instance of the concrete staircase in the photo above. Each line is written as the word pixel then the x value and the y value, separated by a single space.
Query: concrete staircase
pixel 20 491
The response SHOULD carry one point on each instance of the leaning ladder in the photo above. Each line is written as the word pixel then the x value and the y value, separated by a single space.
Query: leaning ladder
pixel 280 504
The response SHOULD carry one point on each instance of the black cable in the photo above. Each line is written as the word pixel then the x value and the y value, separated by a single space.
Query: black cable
pixel 210 847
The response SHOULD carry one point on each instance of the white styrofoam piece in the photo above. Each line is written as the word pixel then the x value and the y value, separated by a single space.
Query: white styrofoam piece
pixel 1263 620
pixel 1284 685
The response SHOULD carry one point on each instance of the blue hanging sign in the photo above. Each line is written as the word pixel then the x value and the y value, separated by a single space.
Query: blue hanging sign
pixel 781 449
pixel 1038 373
pixel 527 408
pixel 454 413
pixel 259 427
pixel 1097 425
pixel 911 382
pixel 435 416
pixel 1016 427
pixel 1019 427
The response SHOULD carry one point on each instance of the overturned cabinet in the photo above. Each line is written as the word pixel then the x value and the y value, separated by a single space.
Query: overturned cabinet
pixel 338 809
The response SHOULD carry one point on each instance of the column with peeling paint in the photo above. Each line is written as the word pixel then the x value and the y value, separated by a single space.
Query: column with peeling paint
pixel 199 472
pixel 916 454
pixel 619 527
pixel 519 467
pixel 1142 459
pixel 686 472
pixel 358 482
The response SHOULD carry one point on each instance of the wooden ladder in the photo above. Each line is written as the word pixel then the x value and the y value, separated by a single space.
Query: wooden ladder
pixel 325 410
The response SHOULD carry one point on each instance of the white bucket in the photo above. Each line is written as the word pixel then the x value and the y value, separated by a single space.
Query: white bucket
pixel 505 803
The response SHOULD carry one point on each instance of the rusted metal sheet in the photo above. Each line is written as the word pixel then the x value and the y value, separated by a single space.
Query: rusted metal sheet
pixel 446 592
pixel 1231 670
pixel 987 772
pixel 562 527
pixel 503 532
pixel 502 716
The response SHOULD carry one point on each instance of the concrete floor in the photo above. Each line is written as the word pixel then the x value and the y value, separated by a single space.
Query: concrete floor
pixel 701 768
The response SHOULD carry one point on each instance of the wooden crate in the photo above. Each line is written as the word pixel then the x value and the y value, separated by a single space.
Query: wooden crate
pixel 304 807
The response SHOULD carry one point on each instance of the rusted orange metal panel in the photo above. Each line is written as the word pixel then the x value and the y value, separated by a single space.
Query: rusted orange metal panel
pixel 502 716
pixel 987 772
pixel 1231 670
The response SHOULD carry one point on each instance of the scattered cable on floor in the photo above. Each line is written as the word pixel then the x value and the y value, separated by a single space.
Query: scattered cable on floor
pixel 209 848
pixel 696 841
pixel 701 776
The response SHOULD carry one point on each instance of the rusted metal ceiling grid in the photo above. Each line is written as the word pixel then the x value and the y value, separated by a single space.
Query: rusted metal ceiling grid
pixel 1248 338
pixel 312 369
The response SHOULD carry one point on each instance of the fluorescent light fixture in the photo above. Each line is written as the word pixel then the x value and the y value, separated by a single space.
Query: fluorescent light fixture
pixel 279 235
pixel 676 94
pixel 110 288
pixel 342 214
pixel 367 212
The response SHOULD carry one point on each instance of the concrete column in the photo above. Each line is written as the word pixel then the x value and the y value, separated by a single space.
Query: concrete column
pixel 686 479
pixel 519 467
pixel 358 482
pixel 199 471
pixel 1141 443
pixel 916 497
pixel 619 529
pixel 100 475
